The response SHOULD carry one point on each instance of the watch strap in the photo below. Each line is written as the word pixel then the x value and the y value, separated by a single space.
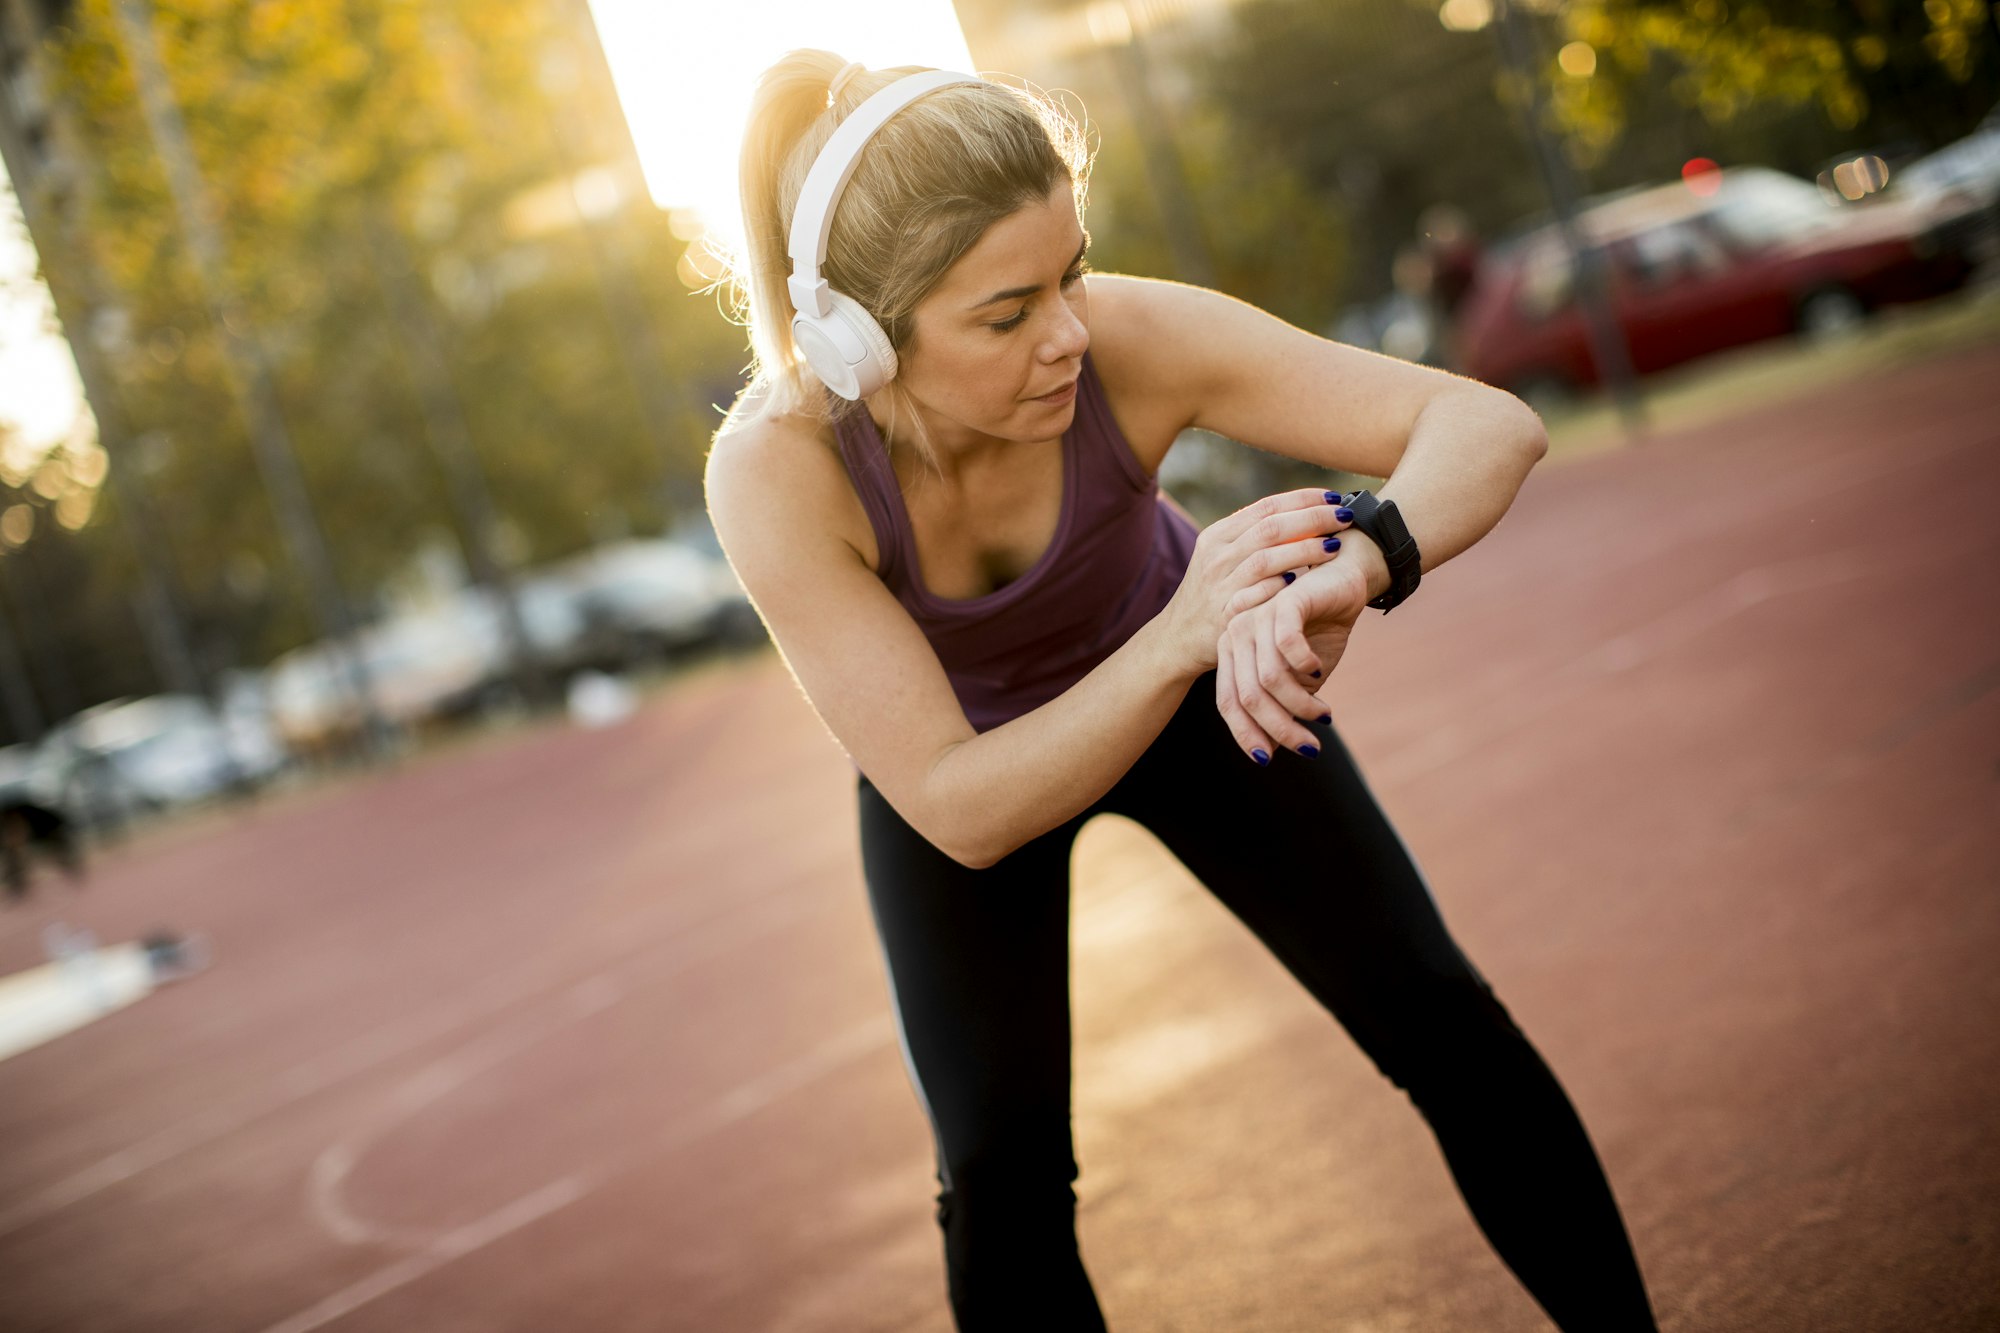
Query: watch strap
pixel 1384 525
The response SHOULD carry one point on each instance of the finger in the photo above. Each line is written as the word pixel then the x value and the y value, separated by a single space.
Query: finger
pixel 1255 595
pixel 1264 712
pixel 1282 687
pixel 1250 738
pixel 1288 635
pixel 1261 563
pixel 1307 527
pixel 1297 502
pixel 1287 625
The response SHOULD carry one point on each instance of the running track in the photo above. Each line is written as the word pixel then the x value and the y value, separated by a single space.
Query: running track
pixel 570 1030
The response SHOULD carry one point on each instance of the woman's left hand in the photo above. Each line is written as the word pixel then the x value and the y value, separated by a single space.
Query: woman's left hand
pixel 1271 659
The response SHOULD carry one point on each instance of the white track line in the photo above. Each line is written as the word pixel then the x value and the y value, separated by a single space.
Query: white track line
pixel 528 1208
pixel 388 1042
pixel 740 1103
pixel 324 1184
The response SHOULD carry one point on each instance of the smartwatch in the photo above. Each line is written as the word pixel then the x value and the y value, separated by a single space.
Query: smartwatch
pixel 1385 527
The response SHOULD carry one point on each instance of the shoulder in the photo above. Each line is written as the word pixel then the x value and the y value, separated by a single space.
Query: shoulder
pixel 770 477
pixel 1165 335
pixel 1152 342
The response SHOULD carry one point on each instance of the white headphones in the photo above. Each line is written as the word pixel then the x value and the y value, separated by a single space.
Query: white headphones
pixel 842 342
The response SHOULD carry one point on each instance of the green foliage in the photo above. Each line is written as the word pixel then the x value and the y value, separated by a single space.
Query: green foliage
pixel 1870 70
pixel 314 121
pixel 1379 111
pixel 1273 240
pixel 62 600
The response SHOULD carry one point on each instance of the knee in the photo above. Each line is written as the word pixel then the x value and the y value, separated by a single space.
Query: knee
pixel 1442 1032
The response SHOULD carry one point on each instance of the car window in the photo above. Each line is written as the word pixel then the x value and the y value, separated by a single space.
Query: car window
pixel 1547 279
pixel 1754 211
pixel 1662 256
pixel 1973 162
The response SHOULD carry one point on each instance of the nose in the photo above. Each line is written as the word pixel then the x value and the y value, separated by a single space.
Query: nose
pixel 1068 336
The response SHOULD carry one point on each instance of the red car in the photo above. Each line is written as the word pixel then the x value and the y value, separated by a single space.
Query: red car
pixel 1695 267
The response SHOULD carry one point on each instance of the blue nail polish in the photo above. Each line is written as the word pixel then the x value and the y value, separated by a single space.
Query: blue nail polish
pixel 1315 675
pixel 1333 497
pixel 1344 515
pixel 1329 717
pixel 1289 576
pixel 1309 751
pixel 1331 544
pixel 1260 757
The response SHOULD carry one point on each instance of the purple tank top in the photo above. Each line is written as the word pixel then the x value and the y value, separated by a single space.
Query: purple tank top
pixel 1119 553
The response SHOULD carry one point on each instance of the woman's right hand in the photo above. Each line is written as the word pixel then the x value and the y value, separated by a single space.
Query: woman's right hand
pixel 1242 561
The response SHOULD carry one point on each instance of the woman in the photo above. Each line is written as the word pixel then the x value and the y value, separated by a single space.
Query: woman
pixel 972 576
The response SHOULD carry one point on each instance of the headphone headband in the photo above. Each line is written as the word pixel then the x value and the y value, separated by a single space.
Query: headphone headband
pixel 812 217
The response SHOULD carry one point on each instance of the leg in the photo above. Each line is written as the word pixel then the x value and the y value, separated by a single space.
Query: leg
pixel 57 833
pixel 14 851
pixel 1304 856
pixel 978 966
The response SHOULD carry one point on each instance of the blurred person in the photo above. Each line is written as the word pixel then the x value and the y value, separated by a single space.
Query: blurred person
pixel 29 825
pixel 1413 328
pixel 940 490
pixel 1452 247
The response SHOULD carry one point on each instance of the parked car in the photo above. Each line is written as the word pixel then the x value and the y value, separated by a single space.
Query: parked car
pixel 445 660
pixel 20 769
pixel 651 598
pixel 311 701
pixel 481 673
pixel 605 610
pixel 130 756
pixel 1961 184
pixel 1695 270
pixel 427 663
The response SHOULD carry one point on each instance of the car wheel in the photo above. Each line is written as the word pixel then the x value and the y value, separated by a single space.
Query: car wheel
pixel 1830 312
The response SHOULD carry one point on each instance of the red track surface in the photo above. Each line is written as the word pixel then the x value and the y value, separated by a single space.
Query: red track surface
pixel 574 1030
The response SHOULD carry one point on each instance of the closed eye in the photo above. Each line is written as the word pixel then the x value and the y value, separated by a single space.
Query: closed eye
pixel 1020 317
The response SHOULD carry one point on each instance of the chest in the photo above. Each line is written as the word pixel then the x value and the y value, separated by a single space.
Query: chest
pixel 990 524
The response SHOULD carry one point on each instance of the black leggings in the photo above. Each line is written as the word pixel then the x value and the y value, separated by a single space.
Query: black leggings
pixel 978 964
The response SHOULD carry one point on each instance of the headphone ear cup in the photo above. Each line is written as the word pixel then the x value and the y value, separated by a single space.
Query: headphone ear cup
pixel 880 363
pixel 845 347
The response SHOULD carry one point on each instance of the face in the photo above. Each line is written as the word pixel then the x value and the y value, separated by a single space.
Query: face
pixel 997 346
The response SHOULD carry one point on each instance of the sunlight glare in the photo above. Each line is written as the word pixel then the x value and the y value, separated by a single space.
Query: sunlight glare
pixel 684 73
pixel 41 398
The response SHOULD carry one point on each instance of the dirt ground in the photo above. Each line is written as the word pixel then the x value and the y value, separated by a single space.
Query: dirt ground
pixel 587 1030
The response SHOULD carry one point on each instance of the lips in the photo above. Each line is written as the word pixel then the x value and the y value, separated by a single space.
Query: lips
pixel 1058 396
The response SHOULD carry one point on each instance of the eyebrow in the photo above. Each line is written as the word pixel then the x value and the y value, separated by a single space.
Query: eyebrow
pixel 1013 293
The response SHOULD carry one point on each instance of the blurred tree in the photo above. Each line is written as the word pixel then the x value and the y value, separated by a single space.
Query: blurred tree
pixel 1877 70
pixel 67 595
pixel 1272 239
pixel 1383 108
pixel 1381 111
pixel 316 123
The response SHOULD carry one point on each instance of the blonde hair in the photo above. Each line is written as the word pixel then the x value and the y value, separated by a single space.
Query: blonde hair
pixel 929 183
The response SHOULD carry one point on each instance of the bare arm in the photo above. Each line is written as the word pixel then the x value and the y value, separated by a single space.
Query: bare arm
pixel 786 516
pixel 1455 453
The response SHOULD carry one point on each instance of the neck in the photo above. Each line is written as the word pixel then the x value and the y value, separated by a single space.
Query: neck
pixel 949 445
